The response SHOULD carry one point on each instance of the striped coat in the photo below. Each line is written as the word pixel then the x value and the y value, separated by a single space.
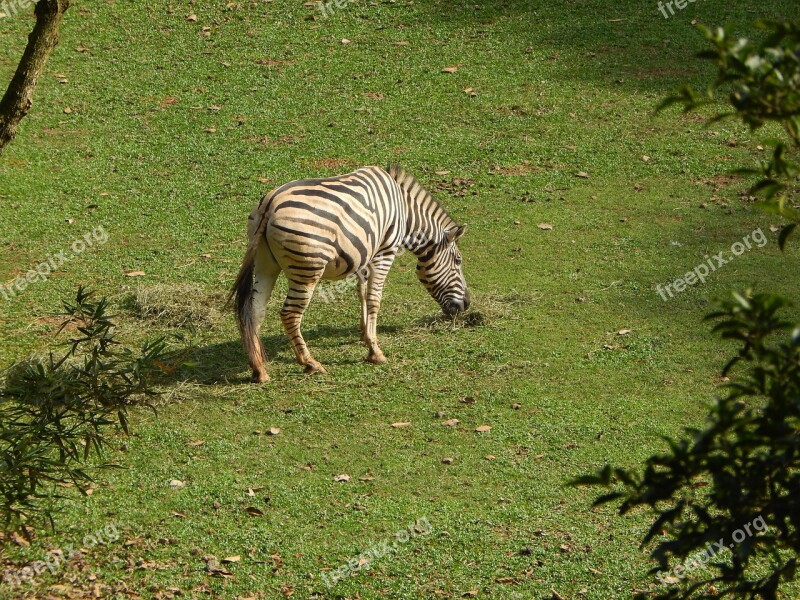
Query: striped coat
pixel 338 227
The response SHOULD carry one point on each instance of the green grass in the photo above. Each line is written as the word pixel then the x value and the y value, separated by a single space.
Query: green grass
pixel 170 131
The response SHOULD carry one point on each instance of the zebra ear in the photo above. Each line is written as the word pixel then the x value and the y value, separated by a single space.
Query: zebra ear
pixel 455 233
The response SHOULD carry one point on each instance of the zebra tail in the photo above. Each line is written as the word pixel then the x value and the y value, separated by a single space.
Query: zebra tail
pixel 243 285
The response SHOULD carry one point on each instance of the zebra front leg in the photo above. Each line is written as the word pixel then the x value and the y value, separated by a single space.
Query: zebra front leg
pixel 297 300
pixel 374 293
pixel 362 296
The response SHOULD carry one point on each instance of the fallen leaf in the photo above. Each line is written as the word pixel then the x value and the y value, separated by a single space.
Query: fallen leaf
pixel 468 400
pixel 774 228
pixel 231 559
pixel 192 18
pixel 195 442
pixel 470 594
pixel 400 424
pixel 342 477
pixel 179 514
pixel 516 406
pixel 273 431
pixel 366 478
pixel 448 460
pixel 67 111
pixel 646 158
pixel 81 49
pixel 623 332
pixel 253 511
pixel 19 540
pixel 452 69
pixel 442 172
pixel 70 220
pixel 135 274
pixel 483 428
pixel 176 483
pixel 210 130
pixel 582 175
pixel 545 226
pixel 345 41
pixel 490 457
pixel 451 422
pixel 400 43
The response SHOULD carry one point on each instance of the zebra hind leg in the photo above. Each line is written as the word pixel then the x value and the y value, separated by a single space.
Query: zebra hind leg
pixel 297 300
pixel 265 272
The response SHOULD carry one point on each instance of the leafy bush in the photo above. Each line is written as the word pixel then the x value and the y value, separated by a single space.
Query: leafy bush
pixel 762 82
pixel 56 413
pixel 728 496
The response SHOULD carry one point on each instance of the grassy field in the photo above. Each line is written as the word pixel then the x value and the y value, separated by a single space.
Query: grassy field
pixel 164 122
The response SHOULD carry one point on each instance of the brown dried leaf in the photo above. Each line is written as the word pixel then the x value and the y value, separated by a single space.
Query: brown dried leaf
pixel 452 69
pixel 483 428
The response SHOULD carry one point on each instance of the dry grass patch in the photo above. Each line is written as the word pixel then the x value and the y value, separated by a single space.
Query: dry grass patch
pixel 487 310
pixel 176 305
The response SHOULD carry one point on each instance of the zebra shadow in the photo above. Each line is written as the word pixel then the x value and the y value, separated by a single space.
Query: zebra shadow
pixel 226 362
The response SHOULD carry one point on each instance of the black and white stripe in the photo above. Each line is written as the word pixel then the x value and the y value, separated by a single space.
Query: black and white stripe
pixel 332 228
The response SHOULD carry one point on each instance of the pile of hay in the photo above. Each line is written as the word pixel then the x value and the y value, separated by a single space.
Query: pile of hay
pixel 176 305
pixel 487 310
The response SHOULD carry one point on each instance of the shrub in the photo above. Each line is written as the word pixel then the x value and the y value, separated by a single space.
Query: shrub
pixel 56 413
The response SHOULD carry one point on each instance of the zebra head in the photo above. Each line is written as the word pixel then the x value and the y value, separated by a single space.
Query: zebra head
pixel 439 270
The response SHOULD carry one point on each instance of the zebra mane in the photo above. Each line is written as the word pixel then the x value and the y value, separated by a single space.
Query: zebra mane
pixel 418 194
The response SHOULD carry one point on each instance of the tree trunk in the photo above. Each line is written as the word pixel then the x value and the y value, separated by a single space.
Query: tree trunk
pixel 18 98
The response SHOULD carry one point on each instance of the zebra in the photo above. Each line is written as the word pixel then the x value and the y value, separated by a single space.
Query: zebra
pixel 313 229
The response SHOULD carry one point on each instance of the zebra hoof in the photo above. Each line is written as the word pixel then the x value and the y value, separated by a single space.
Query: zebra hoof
pixel 257 377
pixel 376 358
pixel 315 369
